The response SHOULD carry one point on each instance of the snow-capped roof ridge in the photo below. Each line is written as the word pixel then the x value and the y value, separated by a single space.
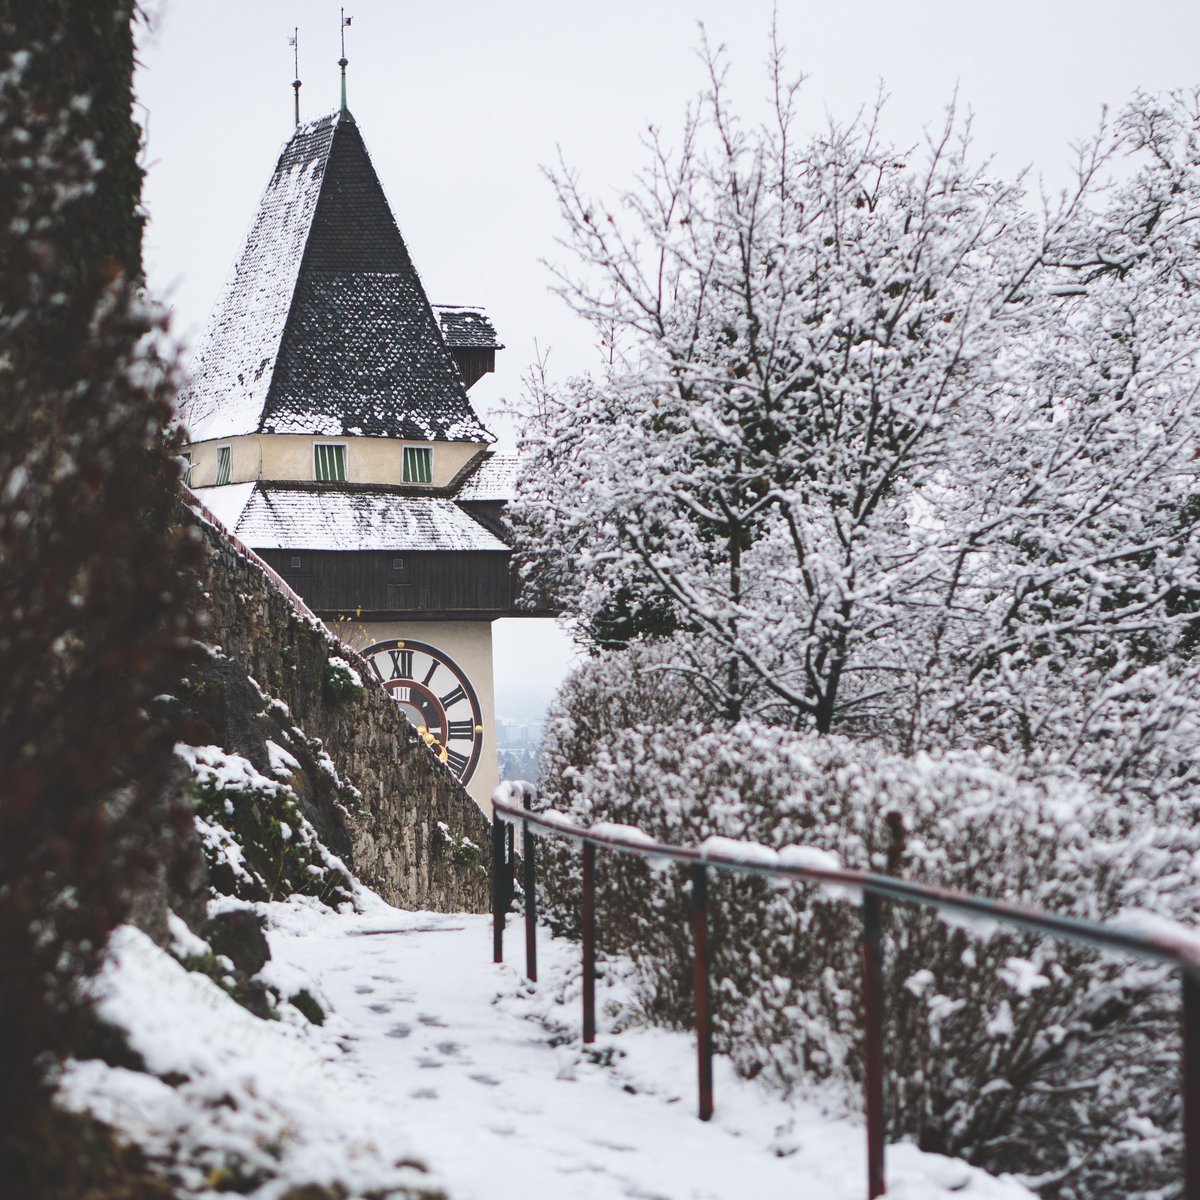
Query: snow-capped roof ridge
pixel 491 478
pixel 324 325
pixel 291 517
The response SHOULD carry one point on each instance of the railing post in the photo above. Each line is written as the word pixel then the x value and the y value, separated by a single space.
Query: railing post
pixel 587 918
pixel 873 1040
pixel 530 884
pixel 510 867
pixel 701 978
pixel 1191 1085
pixel 499 901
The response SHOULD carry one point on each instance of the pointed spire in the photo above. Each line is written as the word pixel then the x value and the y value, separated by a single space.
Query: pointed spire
pixel 294 42
pixel 343 60
pixel 324 325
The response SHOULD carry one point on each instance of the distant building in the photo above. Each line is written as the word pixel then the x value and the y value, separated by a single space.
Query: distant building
pixel 518 734
pixel 331 431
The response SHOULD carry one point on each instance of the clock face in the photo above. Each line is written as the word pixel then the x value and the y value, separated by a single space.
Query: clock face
pixel 436 696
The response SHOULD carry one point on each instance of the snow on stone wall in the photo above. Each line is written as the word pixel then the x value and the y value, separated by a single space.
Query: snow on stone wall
pixel 395 831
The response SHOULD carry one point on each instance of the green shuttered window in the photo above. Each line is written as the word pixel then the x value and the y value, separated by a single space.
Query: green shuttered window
pixel 329 462
pixel 418 464
pixel 222 465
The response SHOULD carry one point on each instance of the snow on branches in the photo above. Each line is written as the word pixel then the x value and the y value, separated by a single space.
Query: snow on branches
pixel 880 450
pixel 887 452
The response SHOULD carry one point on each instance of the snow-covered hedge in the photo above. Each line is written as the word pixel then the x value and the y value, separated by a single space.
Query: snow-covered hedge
pixel 1013 1051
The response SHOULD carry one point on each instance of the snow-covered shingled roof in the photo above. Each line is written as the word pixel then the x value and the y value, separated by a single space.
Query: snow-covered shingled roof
pixel 495 480
pixel 324 326
pixel 467 326
pixel 300 517
pixel 226 503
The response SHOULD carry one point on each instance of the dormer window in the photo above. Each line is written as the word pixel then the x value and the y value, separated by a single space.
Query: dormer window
pixel 222 465
pixel 418 464
pixel 329 462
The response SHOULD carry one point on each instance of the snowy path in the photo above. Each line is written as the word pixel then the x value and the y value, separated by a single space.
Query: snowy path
pixel 457 1053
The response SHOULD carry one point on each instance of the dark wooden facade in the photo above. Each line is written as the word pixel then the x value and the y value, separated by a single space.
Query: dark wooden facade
pixel 474 362
pixel 490 514
pixel 376 584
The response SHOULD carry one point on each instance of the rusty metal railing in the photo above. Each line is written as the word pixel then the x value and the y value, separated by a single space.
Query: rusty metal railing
pixel 1178 951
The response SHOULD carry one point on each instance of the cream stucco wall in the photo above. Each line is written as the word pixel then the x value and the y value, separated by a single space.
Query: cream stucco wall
pixel 244 461
pixel 469 644
pixel 290 456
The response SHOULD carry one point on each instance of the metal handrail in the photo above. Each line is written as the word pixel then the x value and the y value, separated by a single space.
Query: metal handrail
pixel 1177 950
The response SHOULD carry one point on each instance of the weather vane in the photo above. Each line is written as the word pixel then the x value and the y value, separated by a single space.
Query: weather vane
pixel 343 60
pixel 294 42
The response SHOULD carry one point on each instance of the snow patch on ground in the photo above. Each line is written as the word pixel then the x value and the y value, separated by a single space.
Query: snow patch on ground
pixel 428 1046
pixel 231 1097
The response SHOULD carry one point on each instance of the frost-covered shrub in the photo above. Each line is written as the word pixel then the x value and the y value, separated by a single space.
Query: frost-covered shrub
pixel 96 611
pixel 463 850
pixel 342 681
pixel 1016 1052
pixel 257 840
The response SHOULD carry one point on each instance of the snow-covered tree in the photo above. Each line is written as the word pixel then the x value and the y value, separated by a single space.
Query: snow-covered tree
pixel 1079 629
pixel 881 447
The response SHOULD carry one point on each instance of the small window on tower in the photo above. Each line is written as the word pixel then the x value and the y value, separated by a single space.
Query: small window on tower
pixel 222 465
pixel 329 462
pixel 418 464
pixel 297 562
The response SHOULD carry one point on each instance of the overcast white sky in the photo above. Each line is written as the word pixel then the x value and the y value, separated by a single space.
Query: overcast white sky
pixel 462 104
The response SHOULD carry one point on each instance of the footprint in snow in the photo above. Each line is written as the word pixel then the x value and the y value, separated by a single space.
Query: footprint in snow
pixel 379 1008
pixel 486 1080
pixel 429 1064
pixel 363 989
pixel 447 1048
pixel 399 1031
pixel 602 1145
pixel 432 1021
pixel 424 1094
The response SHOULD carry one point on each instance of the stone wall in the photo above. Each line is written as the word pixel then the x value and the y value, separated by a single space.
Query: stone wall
pixel 415 835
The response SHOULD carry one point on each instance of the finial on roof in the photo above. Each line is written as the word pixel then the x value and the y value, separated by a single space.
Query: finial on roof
pixel 343 60
pixel 294 42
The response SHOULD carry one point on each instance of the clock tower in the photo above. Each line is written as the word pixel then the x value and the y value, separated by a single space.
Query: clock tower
pixel 330 429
